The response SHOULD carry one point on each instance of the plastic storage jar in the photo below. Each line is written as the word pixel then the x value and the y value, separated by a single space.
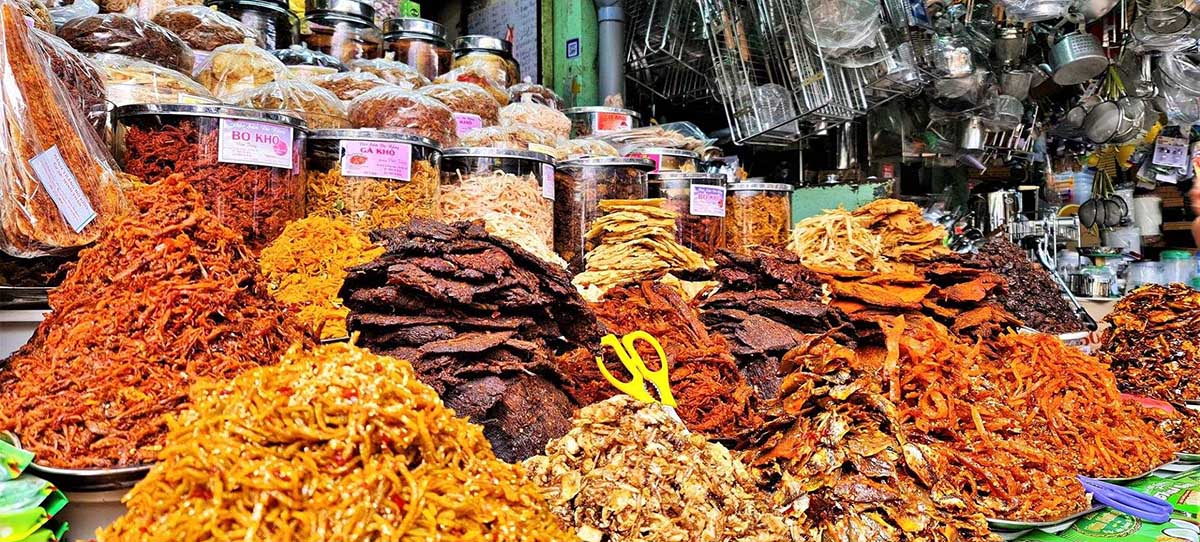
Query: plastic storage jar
pixel 491 55
pixel 699 200
pixel 666 159
pixel 373 179
pixel 1177 266
pixel 344 29
pixel 757 214
pixel 278 26
pixel 247 163
pixel 516 187
pixel 580 186
pixel 419 43
pixel 598 121
pixel 1141 273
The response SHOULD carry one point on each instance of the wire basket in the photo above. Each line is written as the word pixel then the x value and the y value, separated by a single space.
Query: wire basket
pixel 667 54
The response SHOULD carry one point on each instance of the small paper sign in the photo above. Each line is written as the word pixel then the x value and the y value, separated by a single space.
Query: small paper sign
pixel 380 159
pixel 707 200
pixel 63 187
pixel 255 144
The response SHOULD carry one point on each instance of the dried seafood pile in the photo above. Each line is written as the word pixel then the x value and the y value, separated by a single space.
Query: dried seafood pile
pixel 481 320
pixel 1032 294
pixel 713 397
pixel 1153 342
pixel 167 296
pixel 872 238
pixel 834 452
pixel 1019 416
pixel 765 305
pixel 628 471
pixel 632 242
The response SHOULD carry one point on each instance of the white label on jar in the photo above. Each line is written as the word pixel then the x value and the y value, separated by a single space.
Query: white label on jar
pixel 381 159
pixel 605 123
pixel 547 181
pixel 63 188
pixel 467 123
pixel 707 200
pixel 255 144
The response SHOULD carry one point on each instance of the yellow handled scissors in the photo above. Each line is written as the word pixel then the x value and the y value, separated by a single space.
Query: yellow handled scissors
pixel 628 354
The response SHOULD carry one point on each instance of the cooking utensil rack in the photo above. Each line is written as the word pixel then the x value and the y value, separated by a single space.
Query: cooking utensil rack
pixel 666 50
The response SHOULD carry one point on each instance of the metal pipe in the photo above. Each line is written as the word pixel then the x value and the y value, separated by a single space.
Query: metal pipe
pixel 610 61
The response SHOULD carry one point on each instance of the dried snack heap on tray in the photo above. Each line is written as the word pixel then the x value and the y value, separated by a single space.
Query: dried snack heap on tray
pixel 628 471
pixel 714 399
pixel 1032 295
pixel 765 305
pixel 331 444
pixel 481 320
pixel 1152 346
pixel 167 296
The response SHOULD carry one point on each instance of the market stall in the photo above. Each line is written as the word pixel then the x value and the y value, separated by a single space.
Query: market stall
pixel 334 274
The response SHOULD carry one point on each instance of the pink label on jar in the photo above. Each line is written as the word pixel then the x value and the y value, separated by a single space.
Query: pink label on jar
pixel 467 123
pixel 381 159
pixel 707 200
pixel 255 143
pixel 656 158
pixel 547 181
pixel 611 122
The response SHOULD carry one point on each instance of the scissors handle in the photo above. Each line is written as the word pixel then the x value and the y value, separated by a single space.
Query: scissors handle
pixel 661 377
pixel 636 387
pixel 1123 499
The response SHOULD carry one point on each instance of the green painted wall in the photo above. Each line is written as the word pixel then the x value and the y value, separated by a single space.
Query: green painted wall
pixel 812 200
pixel 572 78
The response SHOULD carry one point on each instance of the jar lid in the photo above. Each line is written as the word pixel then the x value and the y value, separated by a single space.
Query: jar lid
pixel 215 111
pixel 483 43
pixel 600 109
pixel 684 179
pixel 760 187
pixel 609 161
pixel 665 151
pixel 488 152
pixel 367 134
pixel 1175 255
pixel 271 5
pixel 415 25
pixel 353 8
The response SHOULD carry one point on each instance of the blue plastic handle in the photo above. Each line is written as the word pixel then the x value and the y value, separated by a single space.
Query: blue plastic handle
pixel 1123 499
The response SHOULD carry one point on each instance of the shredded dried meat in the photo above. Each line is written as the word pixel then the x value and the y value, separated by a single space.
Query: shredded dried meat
pixel 1153 344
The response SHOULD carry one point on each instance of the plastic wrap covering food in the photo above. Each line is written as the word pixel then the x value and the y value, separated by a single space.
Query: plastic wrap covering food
pixel 478 78
pixel 37 12
pixel 521 92
pixel 299 55
pixel 204 28
pixel 349 85
pixel 133 81
pixel 319 108
pixel 62 11
pixel 494 66
pixel 81 78
pixel 396 73
pixel 757 215
pixel 538 116
pixel 234 68
pixel 130 36
pixel 473 107
pixel 516 138
pixel 406 112
pixel 58 187
pixel 585 148
pixel 143 9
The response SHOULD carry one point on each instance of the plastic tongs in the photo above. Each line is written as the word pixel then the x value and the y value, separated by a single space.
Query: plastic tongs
pixel 1123 499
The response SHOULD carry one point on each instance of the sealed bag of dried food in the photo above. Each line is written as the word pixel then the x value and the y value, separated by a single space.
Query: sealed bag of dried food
pixel 349 85
pixel 473 107
pixel 81 76
pixel 130 80
pixel 307 63
pixel 319 108
pixel 58 187
pixel 204 28
pixel 528 91
pixel 477 77
pixel 538 116
pixel 143 9
pixel 373 179
pixel 234 68
pixel 129 36
pixel 38 13
pixel 396 73
pixel 516 138
pixel 62 11
pixel 403 111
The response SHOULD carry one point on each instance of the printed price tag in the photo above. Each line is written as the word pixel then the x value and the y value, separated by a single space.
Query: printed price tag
pixel 63 188
pixel 467 123
pixel 707 200
pixel 548 181
pixel 381 159
pixel 255 144
pixel 656 158
pixel 1171 152
pixel 605 123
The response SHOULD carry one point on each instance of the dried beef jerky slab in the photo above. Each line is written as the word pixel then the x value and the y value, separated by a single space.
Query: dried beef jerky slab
pixel 482 321
pixel 766 304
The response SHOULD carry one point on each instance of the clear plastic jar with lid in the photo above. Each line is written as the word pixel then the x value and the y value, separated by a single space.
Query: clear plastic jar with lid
pixel 274 22
pixel 699 200
pixel 667 159
pixel 598 121
pixel 493 56
pixel 373 179
pixel 419 43
pixel 757 214
pixel 580 185
pixel 344 29
pixel 505 185
pixel 1177 266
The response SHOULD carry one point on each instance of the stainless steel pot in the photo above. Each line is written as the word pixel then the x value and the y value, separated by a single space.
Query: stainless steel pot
pixel 1016 83
pixel 1010 45
pixel 1076 58
pixel 972 135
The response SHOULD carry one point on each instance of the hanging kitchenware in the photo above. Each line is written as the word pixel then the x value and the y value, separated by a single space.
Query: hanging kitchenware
pixel 1178 82
pixel 1075 58
pixel 1092 10
pixel 1107 119
pixel 972 135
pixel 1007 112
pixel 1010 45
pixel 1034 11
pixel 1016 83
pixel 951 58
